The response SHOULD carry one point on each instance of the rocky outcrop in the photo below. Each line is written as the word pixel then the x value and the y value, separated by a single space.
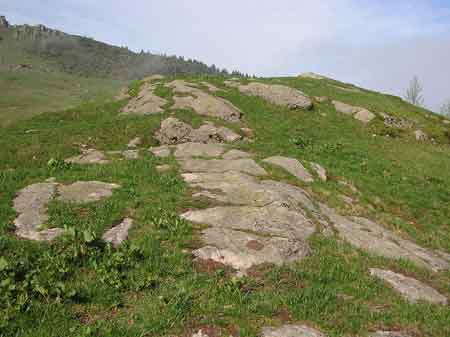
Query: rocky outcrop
pixel 203 103
pixel 173 131
pixel 146 102
pixel 291 165
pixel 313 76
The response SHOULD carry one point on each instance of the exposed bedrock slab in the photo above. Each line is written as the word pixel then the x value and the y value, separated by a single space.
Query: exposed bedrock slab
pixel 88 156
pixel 278 94
pixel 118 234
pixel 320 171
pixel 236 154
pixel 210 87
pixel 270 220
pixel 242 250
pixel 146 103
pixel 221 165
pixel 174 131
pixel 85 191
pixel 291 331
pixel 291 165
pixel 199 150
pixel 31 205
pixel 370 236
pixel 411 289
pixel 203 103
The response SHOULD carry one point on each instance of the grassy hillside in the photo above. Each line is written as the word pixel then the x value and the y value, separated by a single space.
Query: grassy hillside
pixel 77 286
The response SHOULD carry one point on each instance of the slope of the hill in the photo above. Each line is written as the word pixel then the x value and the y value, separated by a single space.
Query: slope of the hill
pixel 236 246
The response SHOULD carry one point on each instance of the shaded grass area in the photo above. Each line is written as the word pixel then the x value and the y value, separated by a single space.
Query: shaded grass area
pixel 78 286
pixel 28 93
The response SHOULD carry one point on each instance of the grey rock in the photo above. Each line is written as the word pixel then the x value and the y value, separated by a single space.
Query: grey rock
pixel 88 156
pixel 119 233
pixel 135 142
pixel 291 331
pixel 370 236
pixel 291 165
pixel 320 171
pixel 236 154
pixel 161 151
pixel 210 87
pixel 313 76
pixel 85 191
pixel 220 165
pixel 203 103
pixel 199 150
pixel 358 113
pixel 278 94
pixel 242 250
pixel 130 154
pixel 411 289
pixel 390 334
pixel 31 206
pixel 321 99
pixel 364 116
pixel 267 221
pixel 146 103
pixel 420 135
pixel 174 131
pixel 163 168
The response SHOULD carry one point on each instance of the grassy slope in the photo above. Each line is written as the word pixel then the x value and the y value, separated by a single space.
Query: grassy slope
pixel 152 289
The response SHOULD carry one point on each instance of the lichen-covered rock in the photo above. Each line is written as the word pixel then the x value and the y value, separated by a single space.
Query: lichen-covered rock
pixel 236 154
pixel 119 233
pixel 199 150
pixel 291 331
pixel 411 289
pixel 361 114
pixel 161 151
pixel 291 165
pixel 85 191
pixel 220 165
pixel 278 94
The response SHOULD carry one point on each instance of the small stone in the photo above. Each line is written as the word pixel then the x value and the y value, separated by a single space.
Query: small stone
pixel 161 151
pixel 420 135
pixel 320 171
pixel 163 168
pixel 119 233
pixel 88 156
pixel 411 289
pixel 236 154
pixel 130 154
pixel 291 331
pixel 85 191
pixel 291 165
pixel 345 108
pixel 135 142
pixel 364 116
pixel 321 99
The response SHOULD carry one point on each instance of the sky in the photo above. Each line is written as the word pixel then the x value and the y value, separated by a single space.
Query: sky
pixel 377 44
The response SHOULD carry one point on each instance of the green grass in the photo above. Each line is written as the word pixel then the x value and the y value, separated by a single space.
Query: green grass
pixel 77 286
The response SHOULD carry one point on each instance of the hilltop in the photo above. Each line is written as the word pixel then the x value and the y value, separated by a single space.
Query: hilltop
pixel 205 205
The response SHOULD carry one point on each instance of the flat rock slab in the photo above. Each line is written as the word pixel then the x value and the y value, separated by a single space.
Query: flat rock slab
pixel 199 150
pixel 88 156
pixel 358 113
pixel 236 154
pixel 242 250
pixel 31 206
pixel 278 94
pixel 146 103
pixel 370 236
pixel 411 289
pixel 173 131
pixel 291 331
pixel 269 220
pixel 161 151
pixel 221 165
pixel 291 165
pixel 85 191
pixel 119 233
pixel 203 103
